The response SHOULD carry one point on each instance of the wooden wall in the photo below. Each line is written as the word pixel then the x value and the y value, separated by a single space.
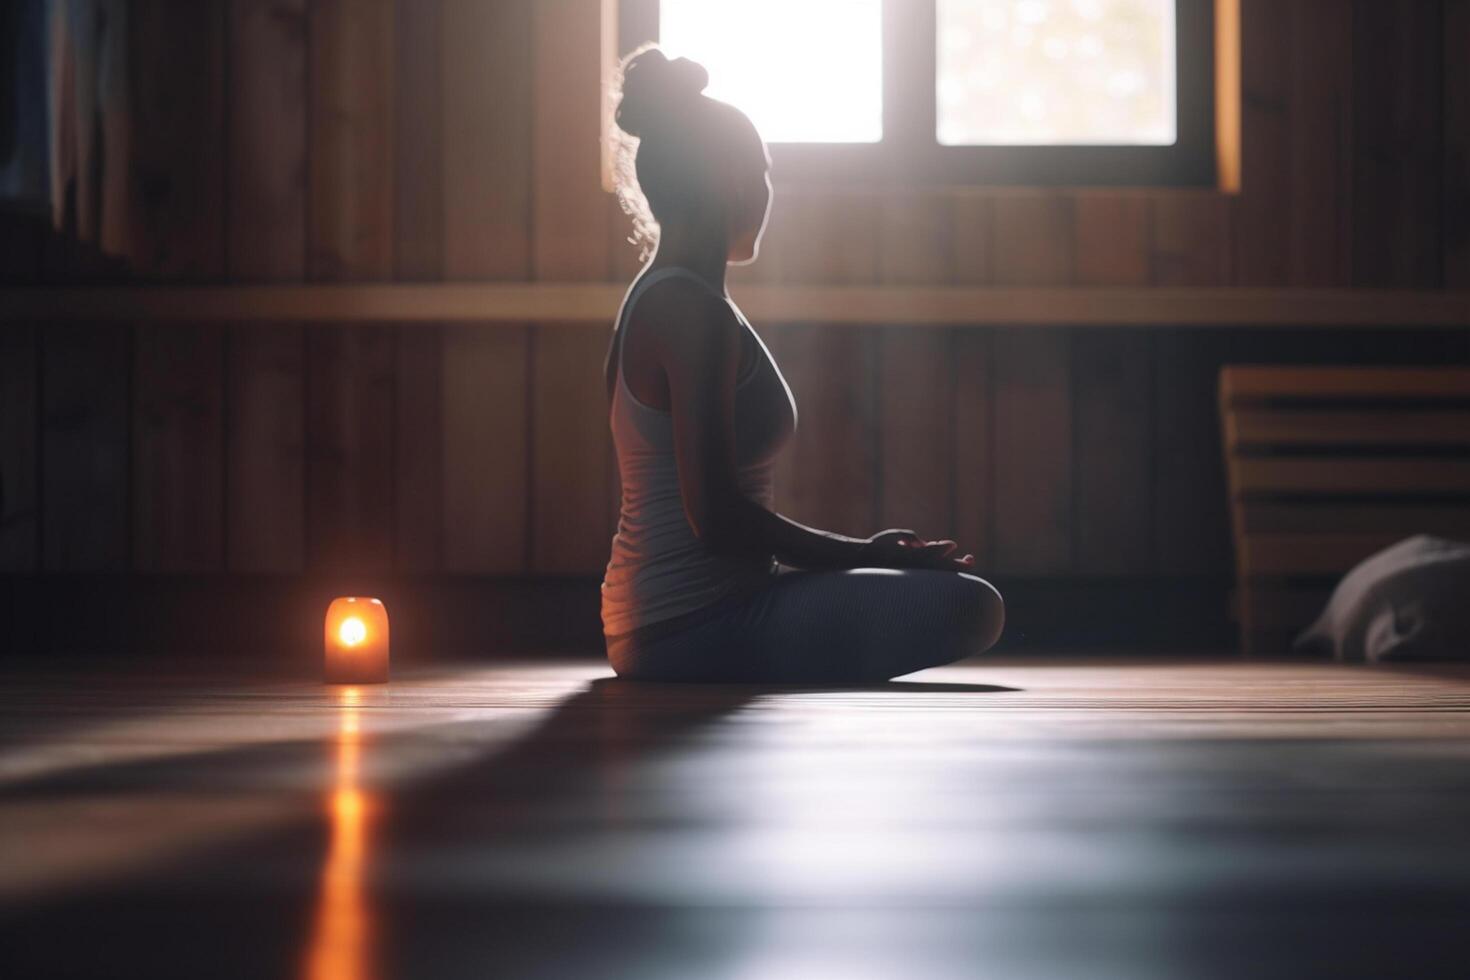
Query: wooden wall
pixel 429 140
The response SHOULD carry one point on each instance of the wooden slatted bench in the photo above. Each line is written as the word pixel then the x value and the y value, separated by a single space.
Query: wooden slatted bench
pixel 1328 465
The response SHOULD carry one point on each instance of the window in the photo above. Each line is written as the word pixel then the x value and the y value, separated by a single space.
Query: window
pixel 1074 92
pixel 1077 72
pixel 800 92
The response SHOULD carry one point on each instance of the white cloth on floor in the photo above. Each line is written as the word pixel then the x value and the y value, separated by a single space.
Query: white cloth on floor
pixel 1410 601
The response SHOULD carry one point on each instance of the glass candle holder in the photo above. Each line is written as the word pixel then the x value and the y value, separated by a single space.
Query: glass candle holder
pixel 356 639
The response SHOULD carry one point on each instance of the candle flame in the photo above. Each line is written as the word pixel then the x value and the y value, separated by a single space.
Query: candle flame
pixel 352 631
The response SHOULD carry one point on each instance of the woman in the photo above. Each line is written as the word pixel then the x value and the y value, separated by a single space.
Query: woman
pixel 699 411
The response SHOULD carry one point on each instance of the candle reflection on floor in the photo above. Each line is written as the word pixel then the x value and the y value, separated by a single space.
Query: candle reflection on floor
pixel 341 946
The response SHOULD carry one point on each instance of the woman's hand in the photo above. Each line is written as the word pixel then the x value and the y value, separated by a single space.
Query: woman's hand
pixel 902 548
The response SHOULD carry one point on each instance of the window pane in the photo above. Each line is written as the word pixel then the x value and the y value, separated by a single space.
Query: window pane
pixel 1056 72
pixel 805 71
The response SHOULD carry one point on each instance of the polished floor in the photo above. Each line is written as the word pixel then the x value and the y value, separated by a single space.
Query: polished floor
pixel 1030 818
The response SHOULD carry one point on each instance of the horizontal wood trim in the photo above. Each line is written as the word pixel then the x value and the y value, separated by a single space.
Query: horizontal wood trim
pixel 1308 554
pixel 1386 475
pixel 1401 519
pixel 1265 427
pixel 1255 382
pixel 596 302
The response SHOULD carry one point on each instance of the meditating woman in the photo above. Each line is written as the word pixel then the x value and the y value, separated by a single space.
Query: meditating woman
pixel 694 589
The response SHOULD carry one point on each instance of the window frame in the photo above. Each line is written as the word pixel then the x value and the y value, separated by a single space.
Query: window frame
pixel 910 151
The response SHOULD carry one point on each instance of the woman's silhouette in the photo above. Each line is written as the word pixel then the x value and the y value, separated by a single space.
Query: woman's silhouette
pixel 699 411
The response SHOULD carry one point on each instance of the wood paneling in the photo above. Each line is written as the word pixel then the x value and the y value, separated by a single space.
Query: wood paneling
pixel 1034 241
pixel 418 450
pixel 1404 517
pixel 178 448
pixel 1321 112
pixel 1366 475
pixel 177 59
pixel 349 448
pixel 419 92
pixel 837 239
pixel 1033 452
pixel 571 512
pixel 1114 239
pixel 1313 555
pixel 1362 427
pixel 1397 143
pixel 915 375
pixel 974 469
pixel 113 129
pixel 486 81
pixel 487 84
pixel 1262 383
pixel 84 448
pixel 487 203
pixel 350 370
pixel 973 388
pixel 572 519
pixel 1190 525
pixel 916 431
pixel 827 476
pixel 486 380
pixel 1456 114
pixel 1112 387
pixel 594 304
pixel 1262 240
pixel 568 230
pixel 916 238
pixel 1190 239
pixel 264 498
pixel 19 405
pixel 265 460
pixel 422 94
pixel 974 239
pixel 22 243
pixel 266 191
pixel 351 156
pixel 83 36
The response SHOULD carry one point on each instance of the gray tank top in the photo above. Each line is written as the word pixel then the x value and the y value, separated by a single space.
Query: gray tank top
pixel 659 569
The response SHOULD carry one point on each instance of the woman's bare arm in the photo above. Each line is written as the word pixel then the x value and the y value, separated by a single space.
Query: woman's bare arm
pixel 697 340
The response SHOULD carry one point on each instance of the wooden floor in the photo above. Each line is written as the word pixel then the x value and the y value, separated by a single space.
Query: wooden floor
pixel 1033 819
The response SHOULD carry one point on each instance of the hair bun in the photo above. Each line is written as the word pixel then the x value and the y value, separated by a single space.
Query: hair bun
pixel 655 88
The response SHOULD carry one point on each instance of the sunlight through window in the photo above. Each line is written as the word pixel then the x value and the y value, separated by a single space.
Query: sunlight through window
pixel 1056 72
pixel 805 71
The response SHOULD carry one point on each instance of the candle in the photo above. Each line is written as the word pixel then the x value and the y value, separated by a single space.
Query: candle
pixel 356 641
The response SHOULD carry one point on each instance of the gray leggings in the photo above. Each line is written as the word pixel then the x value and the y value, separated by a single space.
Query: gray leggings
pixel 859 625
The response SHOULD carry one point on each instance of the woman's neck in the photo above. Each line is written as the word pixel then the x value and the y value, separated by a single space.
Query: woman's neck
pixel 698 254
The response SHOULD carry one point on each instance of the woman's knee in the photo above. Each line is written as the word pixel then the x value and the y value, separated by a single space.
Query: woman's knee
pixel 986 613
